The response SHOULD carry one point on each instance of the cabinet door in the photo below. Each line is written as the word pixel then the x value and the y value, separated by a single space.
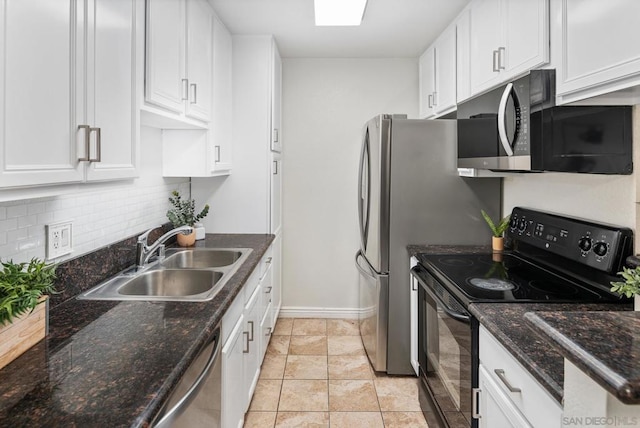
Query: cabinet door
pixel 276 102
pixel 199 59
pixel 41 103
pixel 444 97
pixel 276 279
pixel 276 193
pixel 427 78
pixel 253 357
pixel 233 392
pixel 220 128
pixel 526 25
pixel 486 40
pixel 463 52
pixel 165 82
pixel 113 67
pixel 496 410
pixel 599 44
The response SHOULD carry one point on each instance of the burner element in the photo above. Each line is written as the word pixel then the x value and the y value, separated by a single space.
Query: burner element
pixel 492 284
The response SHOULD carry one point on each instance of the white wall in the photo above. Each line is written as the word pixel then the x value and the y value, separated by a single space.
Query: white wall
pixel 101 213
pixel 326 102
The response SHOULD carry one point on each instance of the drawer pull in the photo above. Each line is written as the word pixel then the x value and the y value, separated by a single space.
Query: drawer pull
pixel 268 290
pixel 251 334
pixel 246 334
pixel 504 380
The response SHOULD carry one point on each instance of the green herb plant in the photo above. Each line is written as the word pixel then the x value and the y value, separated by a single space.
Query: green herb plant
pixel 631 285
pixel 183 211
pixel 21 285
pixel 496 229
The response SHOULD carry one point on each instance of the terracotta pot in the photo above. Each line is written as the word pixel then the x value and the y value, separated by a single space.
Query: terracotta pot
pixel 497 243
pixel 186 240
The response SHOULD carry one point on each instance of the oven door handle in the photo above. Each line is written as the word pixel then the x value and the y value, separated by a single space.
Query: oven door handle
pixel 415 272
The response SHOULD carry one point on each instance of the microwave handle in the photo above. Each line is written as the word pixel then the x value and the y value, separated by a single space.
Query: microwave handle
pixel 502 129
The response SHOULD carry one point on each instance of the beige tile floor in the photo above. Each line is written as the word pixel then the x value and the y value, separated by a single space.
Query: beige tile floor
pixel 316 374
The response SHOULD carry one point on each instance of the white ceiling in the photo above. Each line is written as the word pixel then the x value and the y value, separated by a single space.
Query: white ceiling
pixel 390 28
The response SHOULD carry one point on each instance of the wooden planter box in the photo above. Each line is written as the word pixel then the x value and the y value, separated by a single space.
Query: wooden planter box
pixel 24 332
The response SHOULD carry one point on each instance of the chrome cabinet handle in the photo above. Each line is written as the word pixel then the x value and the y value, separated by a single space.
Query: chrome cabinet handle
pixel 246 351
pixel 87 143
pixel 251 335
pixel 268 331
pixel 475 411
pixel 275 135
pixel 217 151
pixel 504 380
pixel 430 101
pixel 98 132
pixel 194 87
pixel 502 129
pixel 275 167
pixel 495 61
pixel 268 261
pixel 435 99
pixel 501 53
pixel 185 89
pixel 268 290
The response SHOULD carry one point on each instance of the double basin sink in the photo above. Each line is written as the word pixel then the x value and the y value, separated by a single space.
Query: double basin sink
pixel 184 275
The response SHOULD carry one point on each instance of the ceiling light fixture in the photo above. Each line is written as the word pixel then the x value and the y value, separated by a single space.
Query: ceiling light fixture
pixel 339 12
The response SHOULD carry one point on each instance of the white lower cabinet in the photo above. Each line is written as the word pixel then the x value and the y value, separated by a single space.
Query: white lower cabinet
pixel 246 329
pixel 509 396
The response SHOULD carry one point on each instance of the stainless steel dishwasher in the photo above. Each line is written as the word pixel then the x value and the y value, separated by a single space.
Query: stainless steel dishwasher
pixel 196 401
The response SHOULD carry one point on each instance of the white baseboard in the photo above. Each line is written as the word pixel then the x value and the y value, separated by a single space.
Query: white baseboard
pixel 311 312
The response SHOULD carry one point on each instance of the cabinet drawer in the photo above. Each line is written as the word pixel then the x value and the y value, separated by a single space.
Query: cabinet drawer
pixel 516 382
pixel 266 262
pixel 231 317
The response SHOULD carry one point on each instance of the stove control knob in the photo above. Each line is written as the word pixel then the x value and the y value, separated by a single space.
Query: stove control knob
pixel 513 222
pixel 585 244
pixel 522 225
pixel 600 248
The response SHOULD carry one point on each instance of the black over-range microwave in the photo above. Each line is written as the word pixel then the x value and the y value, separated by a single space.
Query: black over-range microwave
pixel 518 127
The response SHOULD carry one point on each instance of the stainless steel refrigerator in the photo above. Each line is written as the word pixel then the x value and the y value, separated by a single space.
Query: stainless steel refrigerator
pixel 409 193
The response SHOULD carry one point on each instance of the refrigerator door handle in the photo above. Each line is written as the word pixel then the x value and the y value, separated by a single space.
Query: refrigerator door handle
pixel 371 272
pixel 363 192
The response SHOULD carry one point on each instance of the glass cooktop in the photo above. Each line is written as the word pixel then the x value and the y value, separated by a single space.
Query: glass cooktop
pixel 507 277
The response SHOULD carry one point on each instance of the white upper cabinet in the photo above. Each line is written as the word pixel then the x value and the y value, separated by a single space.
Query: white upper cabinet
pixel 70 77
pixel 179 57
pixel 206 152
pixel 276 101
pixel 598 46
pixel 437 69
pixel 508 38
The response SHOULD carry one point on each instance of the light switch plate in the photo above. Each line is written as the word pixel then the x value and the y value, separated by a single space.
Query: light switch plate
pixel 59 239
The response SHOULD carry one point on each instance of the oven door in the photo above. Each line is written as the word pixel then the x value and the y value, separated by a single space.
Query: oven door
pixel 447 354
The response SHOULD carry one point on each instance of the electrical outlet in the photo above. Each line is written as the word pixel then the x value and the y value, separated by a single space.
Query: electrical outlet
pixel 59 239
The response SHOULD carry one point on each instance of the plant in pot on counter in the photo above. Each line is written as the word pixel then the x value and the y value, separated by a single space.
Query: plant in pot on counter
pixel 21 287
pixel 183 213
pixel 497 230
pixel 631 285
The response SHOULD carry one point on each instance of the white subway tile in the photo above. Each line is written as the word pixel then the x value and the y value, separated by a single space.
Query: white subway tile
pixel 16 211
pixel 9 224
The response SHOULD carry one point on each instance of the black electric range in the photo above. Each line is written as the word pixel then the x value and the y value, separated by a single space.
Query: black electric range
pixel 549 258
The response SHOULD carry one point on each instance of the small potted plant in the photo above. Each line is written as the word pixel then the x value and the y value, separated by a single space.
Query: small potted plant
pixel 631 285
pixel 497 242
pixel 23 309
pixel 183 213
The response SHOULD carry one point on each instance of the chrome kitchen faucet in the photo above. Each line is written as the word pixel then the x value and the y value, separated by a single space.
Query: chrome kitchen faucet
pixel 144 250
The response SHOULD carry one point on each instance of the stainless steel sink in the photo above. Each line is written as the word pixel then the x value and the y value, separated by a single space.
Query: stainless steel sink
pixel 201 258
pixel 189 275
pixel 171 282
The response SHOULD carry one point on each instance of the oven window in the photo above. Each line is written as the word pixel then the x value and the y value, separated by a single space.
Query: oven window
pixel 447 358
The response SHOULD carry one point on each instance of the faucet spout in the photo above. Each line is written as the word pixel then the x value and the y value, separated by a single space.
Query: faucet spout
pixel 144 251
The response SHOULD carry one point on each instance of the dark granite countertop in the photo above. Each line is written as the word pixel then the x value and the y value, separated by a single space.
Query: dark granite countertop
pixel 114 363
pixel 414 249
pixel 605 345
pixel 506 321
